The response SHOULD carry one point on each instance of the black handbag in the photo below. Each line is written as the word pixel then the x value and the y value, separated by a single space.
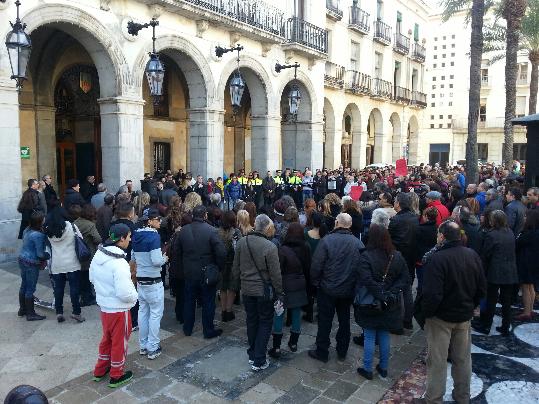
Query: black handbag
pixel 365 299
pixel 81 249
pixel 269 291
pixel 210 272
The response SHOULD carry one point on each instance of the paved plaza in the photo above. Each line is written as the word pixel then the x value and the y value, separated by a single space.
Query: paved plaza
pixel 58 358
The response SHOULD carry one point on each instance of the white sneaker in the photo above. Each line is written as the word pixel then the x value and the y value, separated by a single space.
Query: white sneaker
pixel 143 352
pixel 264 366
pixel 251 362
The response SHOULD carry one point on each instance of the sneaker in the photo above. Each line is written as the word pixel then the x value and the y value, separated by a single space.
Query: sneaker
pixel 99 378
pixel 135 328
pixel 78 318
pixel 264 366
pixel 251 362
pixel 364 373
pixel 154 354
pixel 60 318
pixel 143 352
pixel 381 372
pixel 120 381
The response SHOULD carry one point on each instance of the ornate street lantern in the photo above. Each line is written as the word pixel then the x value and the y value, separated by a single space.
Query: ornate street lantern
pixel 237 83
pixel 294 96
pixel 155 70
pixel 19 46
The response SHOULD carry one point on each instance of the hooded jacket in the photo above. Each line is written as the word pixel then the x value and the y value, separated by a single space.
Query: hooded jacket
pixel 111 277
pixel 146 252
pixel 63 255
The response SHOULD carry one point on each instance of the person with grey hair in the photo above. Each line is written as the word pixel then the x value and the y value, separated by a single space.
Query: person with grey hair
pixel 493 201
pixel 333 273
pixel 533 197
pixel 98 199
pixel 256 266
pixel 380 217
pixel 215 199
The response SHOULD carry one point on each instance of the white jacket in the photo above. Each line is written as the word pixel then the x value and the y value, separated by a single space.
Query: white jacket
pixel 111 277
pixel 63 254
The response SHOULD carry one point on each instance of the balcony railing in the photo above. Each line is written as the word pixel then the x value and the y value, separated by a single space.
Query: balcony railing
pixel 357 82
pixel 359 20
pixel 334 75
pixel 252 12
pixel 382 32
pixel 333 10
pixel 418 52
pixel 419 99
pixel 482 122
pixel 402 44
pixel 306 34
pixel 381 88
pixel 522 81
pixel 484 81
pixel 402 95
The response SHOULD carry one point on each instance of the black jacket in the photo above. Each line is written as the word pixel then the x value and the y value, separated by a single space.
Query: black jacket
pixel 320 186
pixel 494 204
pixel 198 245
pixel 334 263
pixel 499 257
pixel 357 223
pixel 453 283
pixel 425 238
pixel 50 196
pixel 474 234
pixel 370 272
pixel 402 228
pixel 295 261
pixel 528 256
pixel 515 211
pixel 73 197
pixel 88 190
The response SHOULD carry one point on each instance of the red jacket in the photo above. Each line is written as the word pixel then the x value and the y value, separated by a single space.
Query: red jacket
pixel 443 213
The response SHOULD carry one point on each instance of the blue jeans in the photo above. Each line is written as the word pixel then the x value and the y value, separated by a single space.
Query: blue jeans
pixel 296 322
pixel 58 286
pixel 29 277
pixel 368 349
pixel 194 289
pixel 307 193
pixel 151 304
pixel 259 320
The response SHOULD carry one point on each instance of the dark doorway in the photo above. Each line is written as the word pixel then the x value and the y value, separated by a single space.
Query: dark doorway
pixel 439 153
pixel 161 156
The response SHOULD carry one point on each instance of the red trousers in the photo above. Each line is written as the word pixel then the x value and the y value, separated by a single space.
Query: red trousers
pixel 113 345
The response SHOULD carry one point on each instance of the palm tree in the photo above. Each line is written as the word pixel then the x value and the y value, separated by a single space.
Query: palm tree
pixel 512 11
pixel 474 97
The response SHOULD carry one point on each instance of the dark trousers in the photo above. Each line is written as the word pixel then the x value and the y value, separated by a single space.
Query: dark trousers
pixel 134 314
pixel 85 286
pixel 259 323
pixel 58 286
pixel 327 306
pixel 192 290
pixel 505 294
pixel 178 288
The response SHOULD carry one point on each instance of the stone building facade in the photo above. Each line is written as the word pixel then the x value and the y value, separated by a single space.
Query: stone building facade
pixel 86 108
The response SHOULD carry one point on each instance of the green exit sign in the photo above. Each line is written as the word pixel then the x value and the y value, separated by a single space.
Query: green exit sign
pixel 25 152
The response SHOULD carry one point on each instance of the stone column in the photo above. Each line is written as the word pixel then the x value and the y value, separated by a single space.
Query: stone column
pixel 317 146
pixel 379 147
pixel 10 166
pixel 206 142
pixel 332 158
pixel 359 145
pixel 265 143
pixel 46 141
pixel 122 140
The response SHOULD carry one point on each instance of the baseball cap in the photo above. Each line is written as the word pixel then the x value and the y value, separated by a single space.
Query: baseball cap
pixel 150 213
pixel 116 232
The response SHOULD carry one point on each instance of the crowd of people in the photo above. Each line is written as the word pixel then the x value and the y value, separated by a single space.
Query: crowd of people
pixel 291 247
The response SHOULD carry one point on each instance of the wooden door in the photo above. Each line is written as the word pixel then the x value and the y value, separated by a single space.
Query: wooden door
pixel 66 160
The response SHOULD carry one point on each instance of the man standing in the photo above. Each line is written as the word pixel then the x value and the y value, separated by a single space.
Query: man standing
pixel 333 272
pixel 88 188
pixel 433 200
pixel 199 245
pixel 492 201
pixel 104 216
pixel 533 197
pixel 453 284
pixel 168 192
pixel 268 189
pixel 202 189
pixel 98 199
pixel 279 184
pixel 515 210
pixel 50 194
pixel 256 263
pixel 72 195
pixel 481 196
pixel 149 259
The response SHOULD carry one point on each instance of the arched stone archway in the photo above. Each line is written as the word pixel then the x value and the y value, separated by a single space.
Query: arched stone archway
pixel 396 139
pixel 375 140
pixel 352 135
pixel 332 140
pixel 413 141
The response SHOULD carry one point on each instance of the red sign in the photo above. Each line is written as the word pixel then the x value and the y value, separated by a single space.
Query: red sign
pixel 400 168
pixel 355 192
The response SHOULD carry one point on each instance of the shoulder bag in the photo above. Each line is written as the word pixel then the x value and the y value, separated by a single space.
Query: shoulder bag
pixel 81 249
pixel 365 300
pixel 269 291
pixel 210 272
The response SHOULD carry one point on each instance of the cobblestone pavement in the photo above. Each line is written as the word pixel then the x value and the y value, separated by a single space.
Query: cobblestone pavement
pixel 58 358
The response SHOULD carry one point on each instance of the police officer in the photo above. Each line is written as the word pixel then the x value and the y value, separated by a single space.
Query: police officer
pixel 279 184
pixel 296 188
pixel 257 183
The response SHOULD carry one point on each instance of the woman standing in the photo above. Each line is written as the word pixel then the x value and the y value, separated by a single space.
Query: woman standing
pixel 527 259
pixel 384 274
pixel 85 221
pixel 295 261
pixel 65 266
pixel 230 236
pixel 312 237
pixel 351 207
pixel 499 261
pixel 31 259
pixel 243 222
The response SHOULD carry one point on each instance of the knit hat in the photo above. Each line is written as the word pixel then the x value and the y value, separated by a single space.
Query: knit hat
pixel 116 233
pixel 435 195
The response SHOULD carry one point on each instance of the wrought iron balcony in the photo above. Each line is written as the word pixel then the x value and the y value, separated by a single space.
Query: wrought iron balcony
pixel 334 75
pixel 260 18
pixel 402 44
pixel 484 81
pixel 382 32
pixel 298 31
pixel 419 99
pixel 333 11
pixel 402 95
pixel 381 89
pixel 359 20
pixel 418 52
pixel 357 82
